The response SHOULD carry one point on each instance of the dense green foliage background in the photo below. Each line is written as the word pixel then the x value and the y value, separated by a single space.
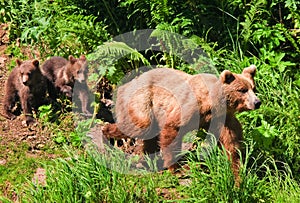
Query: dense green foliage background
pixel 234 34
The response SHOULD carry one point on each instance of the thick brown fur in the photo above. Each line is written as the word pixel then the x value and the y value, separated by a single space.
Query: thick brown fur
pixel 27 85
pixel 170 103
pixel 62 74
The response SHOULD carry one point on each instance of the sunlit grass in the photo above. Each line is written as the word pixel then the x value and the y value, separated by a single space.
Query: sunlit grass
pixel 94 177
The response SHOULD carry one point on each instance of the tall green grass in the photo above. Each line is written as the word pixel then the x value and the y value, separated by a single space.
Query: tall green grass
pixel 93 177
pixel 261 181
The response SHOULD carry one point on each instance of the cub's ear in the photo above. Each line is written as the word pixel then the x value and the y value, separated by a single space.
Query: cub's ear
pixel 19 62
pixel 227 77
pixel 249 72
pixel 72 59
pixel 82 57
pixel 36 63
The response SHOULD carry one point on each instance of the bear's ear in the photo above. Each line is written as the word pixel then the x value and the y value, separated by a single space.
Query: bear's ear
pixel 72 59
pixel 19 62
pixel 36 63
pixel 227 77
pixel 82 57
pixel 249 72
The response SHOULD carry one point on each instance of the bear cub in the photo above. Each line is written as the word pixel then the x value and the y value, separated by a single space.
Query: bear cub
pixel 63 75
pixel 26 85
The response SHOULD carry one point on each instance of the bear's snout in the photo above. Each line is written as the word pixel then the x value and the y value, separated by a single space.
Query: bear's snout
pixel 257 103
pixel 25 79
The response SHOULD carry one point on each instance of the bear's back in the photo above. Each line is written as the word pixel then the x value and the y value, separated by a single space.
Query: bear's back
pixel 14 78
pixel 52 66
pixel 172 96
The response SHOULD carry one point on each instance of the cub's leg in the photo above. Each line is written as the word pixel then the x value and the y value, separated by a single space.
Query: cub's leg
pixel 10 100
pixel 26 107
pixel 83 96
pixel 63 87
pixel 67 90
pixel 53 94
pixel 82 91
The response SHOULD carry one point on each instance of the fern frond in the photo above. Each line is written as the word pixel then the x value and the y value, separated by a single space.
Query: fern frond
pixel 113 51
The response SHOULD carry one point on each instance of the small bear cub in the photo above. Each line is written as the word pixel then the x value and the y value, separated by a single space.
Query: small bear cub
pixel 26 85
pixel 62 74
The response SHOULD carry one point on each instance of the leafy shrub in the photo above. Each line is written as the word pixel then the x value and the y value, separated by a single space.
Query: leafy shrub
pixel 115 59
pixel 58 28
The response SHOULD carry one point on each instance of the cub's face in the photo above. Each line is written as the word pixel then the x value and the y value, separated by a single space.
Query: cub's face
pixel 29 71
pixel 239 90
pixel 79 68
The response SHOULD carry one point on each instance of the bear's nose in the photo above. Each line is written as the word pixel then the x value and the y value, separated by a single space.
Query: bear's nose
pixel 257 103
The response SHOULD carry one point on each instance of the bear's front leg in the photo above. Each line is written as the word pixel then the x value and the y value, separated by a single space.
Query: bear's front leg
pixel 84 100
pixel 67 90
pixel 231 138
pixel 26 107
pixel 170 144
pixel 63 87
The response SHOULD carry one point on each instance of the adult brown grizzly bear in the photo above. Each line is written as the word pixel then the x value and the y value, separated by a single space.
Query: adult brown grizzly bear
pixel 27 85
pixel 168 103
pixel 63 74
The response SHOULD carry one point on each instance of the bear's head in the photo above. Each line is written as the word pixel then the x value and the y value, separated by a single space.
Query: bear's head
pixel 78 68
pixel 29 71
pixel 239 90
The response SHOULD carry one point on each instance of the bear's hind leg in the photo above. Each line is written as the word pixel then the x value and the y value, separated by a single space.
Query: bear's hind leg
pixel 170 144
pixel 9 103
pixel 8 110
pixel 111 130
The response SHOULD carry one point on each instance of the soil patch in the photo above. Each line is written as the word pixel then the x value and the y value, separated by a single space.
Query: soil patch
pixel 13 134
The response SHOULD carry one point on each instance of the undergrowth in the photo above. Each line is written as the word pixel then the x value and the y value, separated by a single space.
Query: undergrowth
pixel 234 34
pixel 94 177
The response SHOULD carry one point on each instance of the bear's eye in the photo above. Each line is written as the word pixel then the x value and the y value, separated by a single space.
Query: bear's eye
pixel 243 90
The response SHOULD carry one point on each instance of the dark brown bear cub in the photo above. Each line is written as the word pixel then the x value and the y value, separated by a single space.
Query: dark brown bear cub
pixel 27 85
pixel 63 74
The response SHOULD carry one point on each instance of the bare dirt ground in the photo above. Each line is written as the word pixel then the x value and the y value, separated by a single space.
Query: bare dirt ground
pixel 13 134
pixel 13 130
